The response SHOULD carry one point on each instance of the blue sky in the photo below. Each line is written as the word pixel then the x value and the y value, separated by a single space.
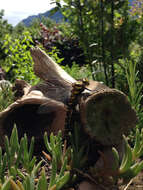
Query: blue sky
pixel 16 10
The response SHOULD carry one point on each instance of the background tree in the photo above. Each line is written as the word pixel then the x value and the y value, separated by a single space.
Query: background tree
pixel 5 28
pixel 105 32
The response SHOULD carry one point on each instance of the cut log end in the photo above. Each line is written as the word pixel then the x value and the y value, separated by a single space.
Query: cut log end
pixel 107 115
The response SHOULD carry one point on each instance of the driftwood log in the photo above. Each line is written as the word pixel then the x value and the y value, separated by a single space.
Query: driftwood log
pixel 104 113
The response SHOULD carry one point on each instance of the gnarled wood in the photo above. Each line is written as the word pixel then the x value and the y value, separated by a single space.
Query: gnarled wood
pixel 48 70
pixel 105 114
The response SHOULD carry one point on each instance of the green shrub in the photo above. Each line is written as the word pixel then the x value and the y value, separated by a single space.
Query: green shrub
pixel 18 63
pixel 78 72
pixel 6 97
pixel 21 170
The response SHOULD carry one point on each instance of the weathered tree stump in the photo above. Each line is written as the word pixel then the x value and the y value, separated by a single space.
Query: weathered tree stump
pixel 104 113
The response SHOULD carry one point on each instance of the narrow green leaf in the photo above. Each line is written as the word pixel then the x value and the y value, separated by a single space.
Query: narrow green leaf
pixel 13 172
pixel 63 180
pixel 137 145
pixel 63 168
pixel 14 140
pixel 25 152
pixel 6 185
pixel 7 146
pixel 31 164
pixel 116 158
pixel 19 154
pixel 42 183
pixel 53 172
pixel 20 174
pixel 52 141
pixel 29 183
pixel 127 158
pixel 31 148
pixel 47 144
pixel 36 168
pixel 4 163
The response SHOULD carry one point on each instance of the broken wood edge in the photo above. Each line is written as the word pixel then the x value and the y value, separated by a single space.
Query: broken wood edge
pixel 48 70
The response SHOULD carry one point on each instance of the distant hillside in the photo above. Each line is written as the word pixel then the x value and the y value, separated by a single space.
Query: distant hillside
pixel 57 17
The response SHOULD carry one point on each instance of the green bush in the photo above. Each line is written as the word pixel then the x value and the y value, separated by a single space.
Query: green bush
pixel 6 97
pixel 78 72
pixel 18 63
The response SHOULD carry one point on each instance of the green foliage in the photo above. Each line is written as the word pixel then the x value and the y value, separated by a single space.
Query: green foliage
pixel 59 161
pixel 34 27
pixel 54 53
pixel 100 27
pixel 78 72
pixel 121 79
pixel 82 25
pixel 135 87
pixel 124 167
pixel 18 30
pixel 18 62
pixel 128 168
pixel 138 147
pixel 135 91
pixel 21 167
pixel 79 149
pixel 5 28
pixel 106 23
pixel 6 96
pixel 17 154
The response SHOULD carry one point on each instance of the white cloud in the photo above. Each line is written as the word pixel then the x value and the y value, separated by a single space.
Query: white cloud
pixel 16 10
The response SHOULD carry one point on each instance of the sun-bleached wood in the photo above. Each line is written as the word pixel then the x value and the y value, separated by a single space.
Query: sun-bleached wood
pixel 48 70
